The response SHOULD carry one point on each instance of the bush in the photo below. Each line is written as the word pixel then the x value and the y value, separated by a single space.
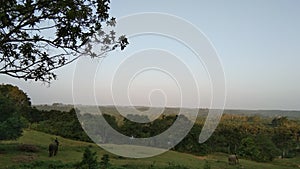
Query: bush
pixel 259 148
pixel 89 160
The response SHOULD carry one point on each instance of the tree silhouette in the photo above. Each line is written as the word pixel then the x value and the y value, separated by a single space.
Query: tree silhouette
pixel 39 36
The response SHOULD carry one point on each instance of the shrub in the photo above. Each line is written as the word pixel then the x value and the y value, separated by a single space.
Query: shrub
pixel 89 160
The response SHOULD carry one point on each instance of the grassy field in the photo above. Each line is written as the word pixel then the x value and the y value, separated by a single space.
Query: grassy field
pixel 71 151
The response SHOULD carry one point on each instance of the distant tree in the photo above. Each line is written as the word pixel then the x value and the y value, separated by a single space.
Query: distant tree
pixel 13 102
pixel 190 142
pixel 39 36
pixel 248 148
pixel 65 124
pixel 254 119
pixel 92 123
pixel 33 115
pixel 267 148
pixel 132 128
pixel 232 133
pixel 284 139
pixel 259 148
pixel 57 104
pixel 285 135
pixel 279 121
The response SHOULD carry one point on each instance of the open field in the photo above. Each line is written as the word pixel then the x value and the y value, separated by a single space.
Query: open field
pixel 71 151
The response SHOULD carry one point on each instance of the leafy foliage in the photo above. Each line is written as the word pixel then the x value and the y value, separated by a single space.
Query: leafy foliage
pixel 89 160
pixel 39 36
pixel 283 137
pixel 259 148
pixel 133 129
pixel 13 102
pixel 249 137
pixel 60 123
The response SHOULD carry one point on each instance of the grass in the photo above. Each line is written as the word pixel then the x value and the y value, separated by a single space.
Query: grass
pixel 71 151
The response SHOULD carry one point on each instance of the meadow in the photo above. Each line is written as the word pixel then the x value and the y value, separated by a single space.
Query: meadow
pixel 71 151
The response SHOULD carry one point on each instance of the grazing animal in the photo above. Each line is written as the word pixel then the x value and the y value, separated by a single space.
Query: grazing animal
pixel 233 159
pixel 53 148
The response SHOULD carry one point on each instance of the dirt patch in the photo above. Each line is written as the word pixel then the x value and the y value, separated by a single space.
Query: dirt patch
pixel 28 148
pixel 24 158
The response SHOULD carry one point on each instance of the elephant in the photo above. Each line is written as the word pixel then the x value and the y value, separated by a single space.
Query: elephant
pixel 53 148
pixel 233 159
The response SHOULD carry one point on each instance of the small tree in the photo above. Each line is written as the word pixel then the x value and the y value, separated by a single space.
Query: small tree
pixel 248 148
pixel 89 160
pixel 259 148
pixel 284 140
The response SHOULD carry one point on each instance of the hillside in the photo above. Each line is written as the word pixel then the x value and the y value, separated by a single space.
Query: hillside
pixel 71 151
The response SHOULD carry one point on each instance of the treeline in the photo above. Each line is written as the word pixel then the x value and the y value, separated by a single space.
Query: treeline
pixel 249 137
pixel 56 122
pixel 254 138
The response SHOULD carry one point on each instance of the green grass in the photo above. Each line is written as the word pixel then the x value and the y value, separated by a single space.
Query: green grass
pixel 71 151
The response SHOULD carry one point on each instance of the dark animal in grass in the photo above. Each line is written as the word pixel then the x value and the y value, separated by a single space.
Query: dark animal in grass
pixel 53 148
pixel 233 159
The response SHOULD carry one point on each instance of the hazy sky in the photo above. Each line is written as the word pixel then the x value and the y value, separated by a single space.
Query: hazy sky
pixel 258 43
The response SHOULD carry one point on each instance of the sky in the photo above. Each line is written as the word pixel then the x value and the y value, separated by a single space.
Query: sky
pixel 257 43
